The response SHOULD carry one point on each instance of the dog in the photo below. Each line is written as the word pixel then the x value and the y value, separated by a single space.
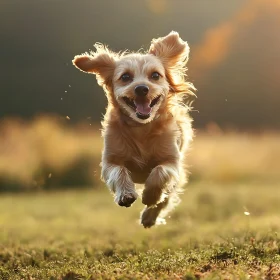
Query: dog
pixel 147 128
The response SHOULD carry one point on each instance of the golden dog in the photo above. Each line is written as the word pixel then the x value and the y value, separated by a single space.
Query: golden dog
pixel 146 127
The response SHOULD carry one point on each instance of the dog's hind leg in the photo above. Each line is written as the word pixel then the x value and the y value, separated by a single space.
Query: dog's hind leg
pixel 156 214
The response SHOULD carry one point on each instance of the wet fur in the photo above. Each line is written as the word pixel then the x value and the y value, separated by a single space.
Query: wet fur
pixel 151 151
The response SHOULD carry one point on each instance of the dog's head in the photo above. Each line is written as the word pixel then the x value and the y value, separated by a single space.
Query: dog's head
pixel 140 84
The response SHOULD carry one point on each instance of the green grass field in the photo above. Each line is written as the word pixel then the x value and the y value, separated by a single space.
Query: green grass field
pixel 219 231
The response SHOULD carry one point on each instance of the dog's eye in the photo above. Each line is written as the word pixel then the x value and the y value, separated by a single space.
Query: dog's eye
pixel 155 76
pixel 126 77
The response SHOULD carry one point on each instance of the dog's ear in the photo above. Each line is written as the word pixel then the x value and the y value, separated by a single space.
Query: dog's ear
pixel 102 63
pixel 171 50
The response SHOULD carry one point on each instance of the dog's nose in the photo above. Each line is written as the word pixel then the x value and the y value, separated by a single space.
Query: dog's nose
pixel 141 90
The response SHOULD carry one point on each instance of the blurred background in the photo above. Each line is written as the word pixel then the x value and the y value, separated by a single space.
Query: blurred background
pixel 50 113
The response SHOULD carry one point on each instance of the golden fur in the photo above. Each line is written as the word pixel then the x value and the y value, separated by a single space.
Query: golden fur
pixel 145 137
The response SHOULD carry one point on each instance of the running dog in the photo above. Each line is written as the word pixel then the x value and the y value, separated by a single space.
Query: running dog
pixel 146 128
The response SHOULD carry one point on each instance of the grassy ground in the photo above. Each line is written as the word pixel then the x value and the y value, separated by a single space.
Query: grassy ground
pixel 227 226
pixel 219 231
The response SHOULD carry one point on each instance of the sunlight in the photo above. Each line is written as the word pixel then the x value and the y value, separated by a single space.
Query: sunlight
pixel 218 41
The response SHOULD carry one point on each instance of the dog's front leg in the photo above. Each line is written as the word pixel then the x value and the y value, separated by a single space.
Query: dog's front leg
pixel 120 183
pixel 162 180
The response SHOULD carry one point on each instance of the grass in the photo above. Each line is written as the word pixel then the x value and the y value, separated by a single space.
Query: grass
pixel 227 226
pixel 219 231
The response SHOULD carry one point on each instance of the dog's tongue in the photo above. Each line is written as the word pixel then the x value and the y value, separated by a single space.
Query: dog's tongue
pixel 143 106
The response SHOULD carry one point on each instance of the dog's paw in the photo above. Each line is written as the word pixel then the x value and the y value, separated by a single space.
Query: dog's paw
pixel 151 196
pixel 149 217
pixel 126 199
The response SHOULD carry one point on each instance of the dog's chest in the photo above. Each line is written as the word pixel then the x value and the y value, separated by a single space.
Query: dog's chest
pixel 140 165
pixel 145 152
pixel 143 157
pixel 149 146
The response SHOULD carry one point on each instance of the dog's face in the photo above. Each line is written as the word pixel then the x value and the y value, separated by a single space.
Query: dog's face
pixel 140 86
pixel 140 83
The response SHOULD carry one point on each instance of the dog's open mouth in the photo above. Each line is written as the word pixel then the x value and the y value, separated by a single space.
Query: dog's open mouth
pixel 141 105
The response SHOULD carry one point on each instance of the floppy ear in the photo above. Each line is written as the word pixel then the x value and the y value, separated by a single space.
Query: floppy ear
pixel 171 50
pixel 102 63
